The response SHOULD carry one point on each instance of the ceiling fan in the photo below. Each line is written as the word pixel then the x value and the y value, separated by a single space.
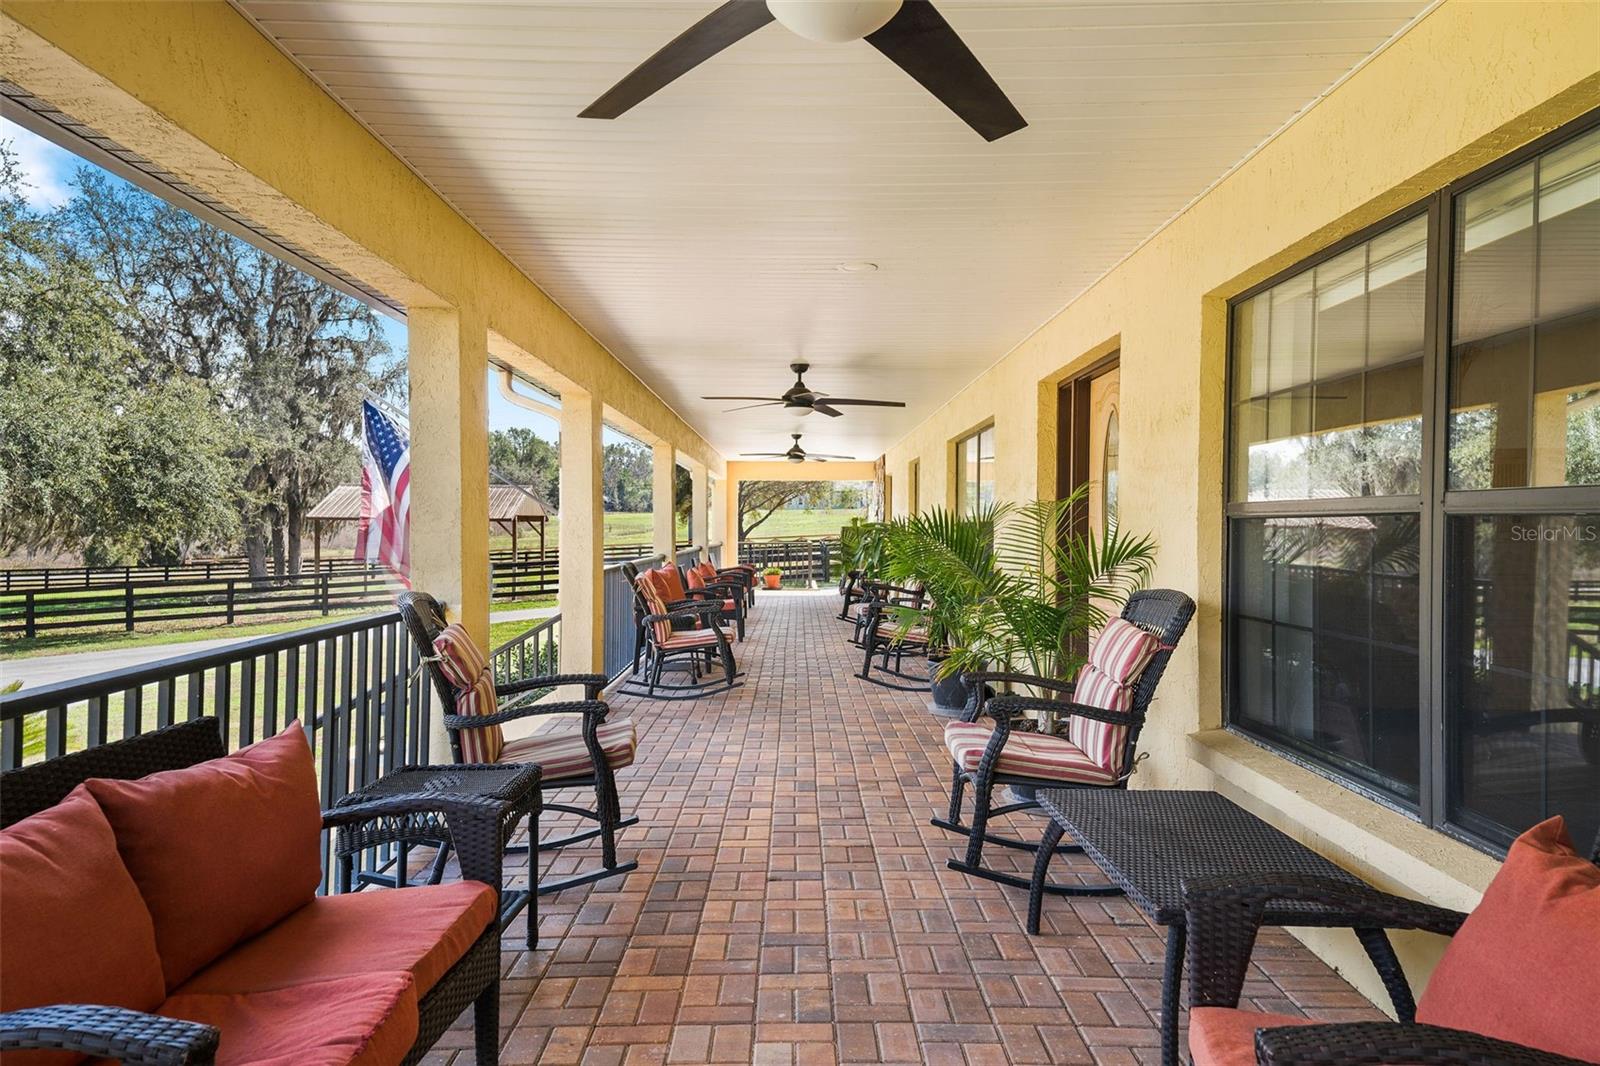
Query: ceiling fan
pixel 910 33
pixel 804 400
pixel 795 454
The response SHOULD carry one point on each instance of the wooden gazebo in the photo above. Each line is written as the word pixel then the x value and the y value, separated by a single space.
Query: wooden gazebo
pixel 510 508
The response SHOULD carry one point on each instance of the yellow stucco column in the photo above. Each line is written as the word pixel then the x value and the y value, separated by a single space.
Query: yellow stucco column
pixel 448 356
pixel 699 515
pixel 582 523
pixel 729 503
pixel 664 459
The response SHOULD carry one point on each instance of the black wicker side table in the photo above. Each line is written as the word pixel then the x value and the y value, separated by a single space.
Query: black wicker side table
pixel 1148 841
pixel 515 787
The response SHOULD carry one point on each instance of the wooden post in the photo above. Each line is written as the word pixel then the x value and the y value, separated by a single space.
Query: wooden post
pixel 316 543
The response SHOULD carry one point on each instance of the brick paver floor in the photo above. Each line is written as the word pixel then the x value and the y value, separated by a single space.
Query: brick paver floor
pixel 792 906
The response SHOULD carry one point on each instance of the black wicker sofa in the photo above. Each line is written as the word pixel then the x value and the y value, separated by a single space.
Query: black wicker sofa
pixel 181 922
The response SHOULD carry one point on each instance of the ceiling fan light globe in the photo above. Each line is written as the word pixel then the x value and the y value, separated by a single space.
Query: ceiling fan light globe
pixel 833 21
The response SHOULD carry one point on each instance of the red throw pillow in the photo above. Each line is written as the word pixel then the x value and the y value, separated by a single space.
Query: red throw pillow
pixel 1525 966
pixel 220 850
pixel 73 928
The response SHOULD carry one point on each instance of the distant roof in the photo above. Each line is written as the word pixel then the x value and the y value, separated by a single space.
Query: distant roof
pixel 506 502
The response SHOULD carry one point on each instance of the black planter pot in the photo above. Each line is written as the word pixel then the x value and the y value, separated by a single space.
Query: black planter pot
pixel 950 693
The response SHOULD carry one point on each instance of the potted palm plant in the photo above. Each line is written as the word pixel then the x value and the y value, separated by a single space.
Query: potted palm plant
pixel 950 557
pixel 1048 589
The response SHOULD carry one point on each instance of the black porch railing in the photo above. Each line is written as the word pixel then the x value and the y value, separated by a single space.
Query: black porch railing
pixel 803 560
pixel 354 686
pixel 534 651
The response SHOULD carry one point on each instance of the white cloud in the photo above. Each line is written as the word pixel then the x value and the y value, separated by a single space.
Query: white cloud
pixel 46 170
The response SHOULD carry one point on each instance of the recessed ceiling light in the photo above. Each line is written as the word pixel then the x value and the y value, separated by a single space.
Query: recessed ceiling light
pixel 859 266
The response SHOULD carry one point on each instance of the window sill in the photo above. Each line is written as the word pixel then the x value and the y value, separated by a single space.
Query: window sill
pixel 1382 846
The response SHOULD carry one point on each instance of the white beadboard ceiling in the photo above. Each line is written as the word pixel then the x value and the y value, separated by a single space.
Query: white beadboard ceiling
pixel 698 236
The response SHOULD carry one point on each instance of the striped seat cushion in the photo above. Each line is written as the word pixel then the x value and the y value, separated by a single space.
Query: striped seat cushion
pixel 561 752
pixel 694 638
pixel 1117 657
pixel 654 601
pixel 1037 755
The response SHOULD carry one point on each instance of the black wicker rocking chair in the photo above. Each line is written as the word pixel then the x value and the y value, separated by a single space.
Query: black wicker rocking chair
pixel 1165 614
pixel 424 618
pixel 890 625
pixel 1222 917
pixel 136 1037
pixel 683 635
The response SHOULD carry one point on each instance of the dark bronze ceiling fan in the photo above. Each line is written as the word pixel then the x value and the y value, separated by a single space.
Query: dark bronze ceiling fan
pixel 805 400
pixel 910 33
pixel 795 454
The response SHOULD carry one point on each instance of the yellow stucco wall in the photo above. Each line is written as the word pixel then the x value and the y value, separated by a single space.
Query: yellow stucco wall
pixel 1469 82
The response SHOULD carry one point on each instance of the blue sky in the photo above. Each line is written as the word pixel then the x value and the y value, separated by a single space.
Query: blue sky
pixel 48 170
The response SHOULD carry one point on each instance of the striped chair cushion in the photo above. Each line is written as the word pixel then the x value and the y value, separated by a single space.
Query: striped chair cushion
pixel 1036 755
pixel 1101 741
pixel 1122 650
pixel 561 752
pixel 486 744
pixel 655 603
pixel 1117 657
pixel 690 638
pixel 459 656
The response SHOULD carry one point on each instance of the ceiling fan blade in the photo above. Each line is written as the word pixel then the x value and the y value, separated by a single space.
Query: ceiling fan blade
pixel 920 42
pixel 821 458
pixel 824 409
pixel 841 401
pixel 764 455
pixel 753 406
pixel 762 399
pixel 727 25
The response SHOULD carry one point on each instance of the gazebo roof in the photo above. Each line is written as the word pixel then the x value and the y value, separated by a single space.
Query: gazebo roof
pixel 506 503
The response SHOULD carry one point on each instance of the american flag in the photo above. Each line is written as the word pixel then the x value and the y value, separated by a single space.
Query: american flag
pixel 383 533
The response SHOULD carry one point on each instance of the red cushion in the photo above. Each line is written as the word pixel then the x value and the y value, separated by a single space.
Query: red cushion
pixel 670 584
pixel 73 928
pixel 696 579
pixel 423 931
pixel 561 751
pixel 369 1020
pixel 1221 1036
pixel 1525 966
pixel 221 850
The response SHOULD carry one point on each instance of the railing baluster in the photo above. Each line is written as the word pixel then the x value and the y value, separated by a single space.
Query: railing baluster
pixel 11 743
pixel 393 735
pixel 197 694
pixel 358 707
pixel 55 732
pixel 269 697
pixel 166 697
pixel 133 711
pixel 96 722
pixel 330 719
pixel 291 685
pixel 222 700
pixel 247 702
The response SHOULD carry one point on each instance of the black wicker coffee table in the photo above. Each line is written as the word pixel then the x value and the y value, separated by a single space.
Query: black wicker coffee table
pixel 511 791
pixel 1148 841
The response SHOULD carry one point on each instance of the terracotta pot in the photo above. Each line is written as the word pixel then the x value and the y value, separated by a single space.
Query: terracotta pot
pixel 773 580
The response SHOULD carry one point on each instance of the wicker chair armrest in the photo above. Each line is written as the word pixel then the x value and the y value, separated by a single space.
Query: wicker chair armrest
pixel 738 573
pixel 593 684
pixel 129 1036
pixel 986 677
pixel 1014 704
pixel 697 614
pixel 472 821
pixel 596 709
pixel 1223 915
pixel 1376 1043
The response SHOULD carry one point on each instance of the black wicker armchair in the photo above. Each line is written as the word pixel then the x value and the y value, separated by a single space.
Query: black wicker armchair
pixel 683 634
pixel 1030 761
pixel 606 744
pixel 1223 916
pixel 140 1038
